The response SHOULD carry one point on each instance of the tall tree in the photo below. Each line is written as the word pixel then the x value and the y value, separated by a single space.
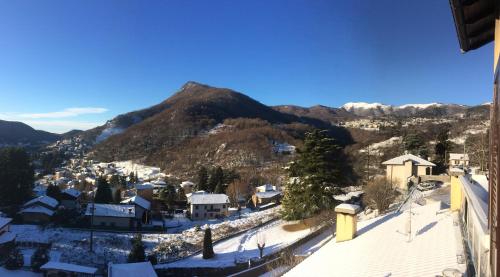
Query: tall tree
pixel 216 177
pixel 118 196
pixel 114 181
pixel 168 195
pixel 208 249
pixel 414 143
pixel 54 192
pixel 137 253
pixel 443 146
pixel 103 194
pixel 318 173
pixel 202 179
pixel 16 176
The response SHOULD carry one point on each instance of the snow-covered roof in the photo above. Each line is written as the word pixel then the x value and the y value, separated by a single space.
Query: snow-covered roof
pixel 72 192
pixel 267 194
pixel 131 270
pixel 4 221
pixel 408 157
pixel 478 197
pixel 187 184
pixel 435 244
pixel 6 237
pixel 37 209
pixel 138 201
pixel 47 200
pixel 111 210
pixel 188 195
pixel 144 186
pixel 457 156
pixel 266 187
pixel 69 267
pixel 348 196
pixel 209 199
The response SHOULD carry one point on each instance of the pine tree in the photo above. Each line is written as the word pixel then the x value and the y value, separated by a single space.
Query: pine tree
pixel 202 179
pixel 39 258
pixel 103 194
pixel 208 249
pixel 168 195
pixel 317 174
pixel 118 196
pixel 54 192
pixel 216 177
pixel 219 188
pixel 16 176
pixel 137 254
pixel 15 260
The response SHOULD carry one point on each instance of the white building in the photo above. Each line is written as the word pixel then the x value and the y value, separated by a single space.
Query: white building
pixel 208 206
pixel 457 160
pixel 110 215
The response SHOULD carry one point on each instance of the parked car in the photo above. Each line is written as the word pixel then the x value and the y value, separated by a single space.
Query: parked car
pixel 426 186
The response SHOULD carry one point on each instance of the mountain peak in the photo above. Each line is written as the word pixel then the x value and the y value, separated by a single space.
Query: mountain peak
pixel 193 84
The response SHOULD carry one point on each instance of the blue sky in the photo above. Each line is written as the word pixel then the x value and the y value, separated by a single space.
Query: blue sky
pixel 75 64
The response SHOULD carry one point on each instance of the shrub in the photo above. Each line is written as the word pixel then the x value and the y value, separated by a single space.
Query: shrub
pixel 15 260
pixel 379 193
pixel 39 258
pixel 153 259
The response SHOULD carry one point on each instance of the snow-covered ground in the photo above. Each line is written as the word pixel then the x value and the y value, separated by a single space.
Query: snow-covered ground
pixel 18 273
pixel 72 246
pixel 244 247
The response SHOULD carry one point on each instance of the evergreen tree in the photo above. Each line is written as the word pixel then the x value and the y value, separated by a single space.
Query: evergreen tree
pixel 443 146
pixel 137 254
pixel 16 176
pixel 153 259
pixel 181 194
pixel 415 144
pixel 318 173
pixel 118 196
pixel 39 258
pixel 168 195
pixel 220 188
pixel 114 181
pixel 131 177
pixel 15 260
pixel 54 192
pixel 208 249
pixel 216 177
pixel 103 194
pixel 202 179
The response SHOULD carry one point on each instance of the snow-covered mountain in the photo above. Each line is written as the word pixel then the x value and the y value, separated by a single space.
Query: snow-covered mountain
pixel 379 109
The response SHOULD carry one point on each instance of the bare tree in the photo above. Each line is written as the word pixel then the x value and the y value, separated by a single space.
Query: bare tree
pixel 261 243
pixel 379 192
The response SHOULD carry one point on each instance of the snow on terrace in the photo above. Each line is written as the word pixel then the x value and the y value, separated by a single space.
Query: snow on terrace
pixel 382 248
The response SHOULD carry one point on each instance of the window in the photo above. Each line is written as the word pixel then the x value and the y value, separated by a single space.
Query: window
pixel 223 206
pixel 196 207
pixel 195 214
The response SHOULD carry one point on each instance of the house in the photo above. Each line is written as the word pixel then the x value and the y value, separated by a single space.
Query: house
pixel 401 170
pixel 7 238
pixel 55 269
pixel 208 206
pixel 266 187
pixel 70 198
pixel 111 215
pixel 187 186
pixel 459 160
pixel 145 190
pixel 266 199
pixel 39 210
pixel 266 196
pixel 144 269
pixel 142 208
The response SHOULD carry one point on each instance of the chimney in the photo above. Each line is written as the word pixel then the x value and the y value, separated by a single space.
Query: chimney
pixel 346 221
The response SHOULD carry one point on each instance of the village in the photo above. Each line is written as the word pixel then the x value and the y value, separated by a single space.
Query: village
pixel 81 234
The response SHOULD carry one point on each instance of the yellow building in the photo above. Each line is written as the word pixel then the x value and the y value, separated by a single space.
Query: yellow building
pixel 400 170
